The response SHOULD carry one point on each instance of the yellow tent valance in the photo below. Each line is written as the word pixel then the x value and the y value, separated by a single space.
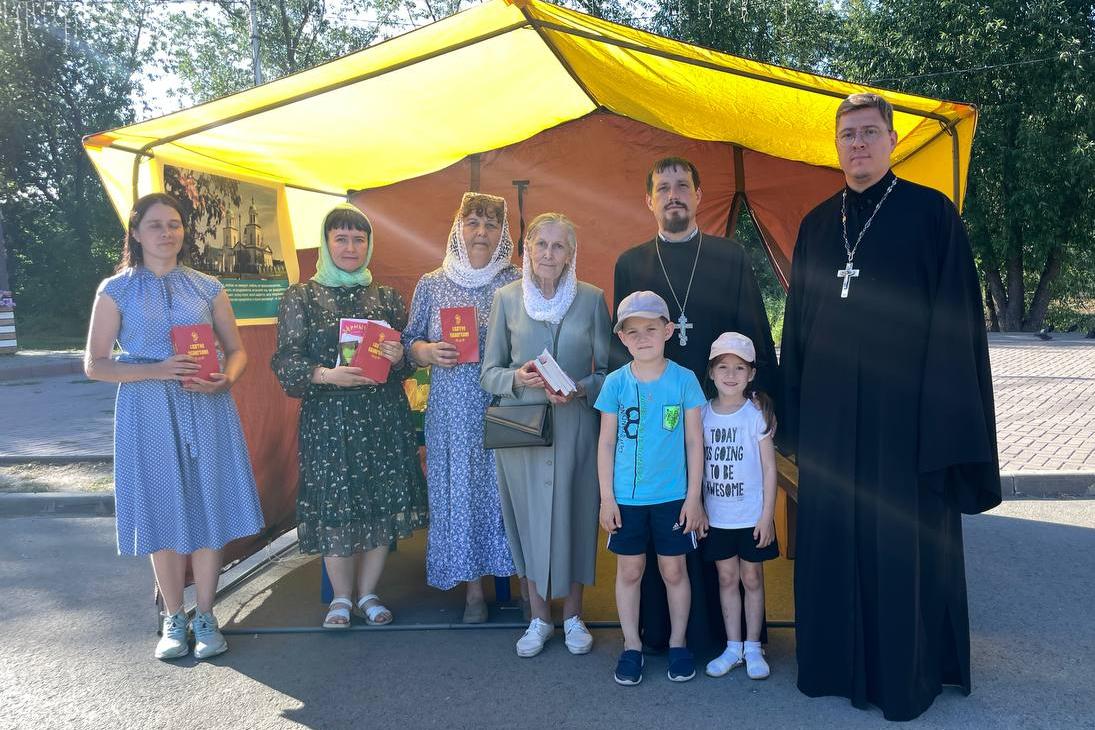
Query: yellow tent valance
pixel 500 73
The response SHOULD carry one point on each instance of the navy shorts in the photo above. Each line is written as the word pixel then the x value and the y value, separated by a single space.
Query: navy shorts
pixel 722 544
pixel 645 522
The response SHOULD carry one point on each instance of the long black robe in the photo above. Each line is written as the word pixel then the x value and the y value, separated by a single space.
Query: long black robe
pixel 724 298
pixel 887 401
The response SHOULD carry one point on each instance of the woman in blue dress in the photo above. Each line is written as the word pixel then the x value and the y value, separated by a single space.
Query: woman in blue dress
pixel 182 477
pixel 467 539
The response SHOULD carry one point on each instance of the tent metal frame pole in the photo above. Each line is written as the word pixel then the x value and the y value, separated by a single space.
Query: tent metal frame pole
pixel 956 173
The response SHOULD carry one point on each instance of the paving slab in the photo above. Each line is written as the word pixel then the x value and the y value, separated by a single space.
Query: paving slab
pixel 1044 391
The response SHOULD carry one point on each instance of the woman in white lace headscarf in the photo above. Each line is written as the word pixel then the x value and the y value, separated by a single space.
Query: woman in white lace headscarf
pixel 466 537
pixel 550 495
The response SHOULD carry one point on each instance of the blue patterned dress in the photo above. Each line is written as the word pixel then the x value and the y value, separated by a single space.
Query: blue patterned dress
pixel 467 539
pixel 182 477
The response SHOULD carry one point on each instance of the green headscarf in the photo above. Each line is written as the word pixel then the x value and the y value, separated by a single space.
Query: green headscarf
pixel 327 273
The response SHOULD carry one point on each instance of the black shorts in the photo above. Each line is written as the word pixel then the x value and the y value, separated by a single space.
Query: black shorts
pixel 722 544
pixel 660 522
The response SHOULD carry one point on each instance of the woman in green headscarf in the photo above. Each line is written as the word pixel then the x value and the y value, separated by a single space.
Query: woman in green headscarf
pixel 361 486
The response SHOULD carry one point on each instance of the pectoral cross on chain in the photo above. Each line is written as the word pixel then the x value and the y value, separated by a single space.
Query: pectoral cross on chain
pixel 847 274
pixel 682 326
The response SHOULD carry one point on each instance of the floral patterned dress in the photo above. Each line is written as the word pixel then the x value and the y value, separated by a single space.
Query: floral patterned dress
pixel 467 539
pixel 361 482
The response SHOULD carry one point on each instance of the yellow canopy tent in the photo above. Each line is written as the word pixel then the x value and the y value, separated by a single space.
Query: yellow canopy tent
pixel 509 91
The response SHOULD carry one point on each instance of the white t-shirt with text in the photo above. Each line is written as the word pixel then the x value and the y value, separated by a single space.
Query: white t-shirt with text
pixel 733 483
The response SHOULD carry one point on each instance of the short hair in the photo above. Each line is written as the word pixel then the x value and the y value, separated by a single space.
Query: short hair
pixel 353 220
pixel 669 163
pixel 552 218
pixel 488 206
pixel 866 101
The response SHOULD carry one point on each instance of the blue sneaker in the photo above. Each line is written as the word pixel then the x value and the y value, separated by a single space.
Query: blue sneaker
pixel 173 636
pixel 682 667
pixel 629 668
pixel 208 639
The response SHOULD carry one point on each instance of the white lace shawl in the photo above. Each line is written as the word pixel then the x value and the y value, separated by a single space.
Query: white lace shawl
pixel 456 264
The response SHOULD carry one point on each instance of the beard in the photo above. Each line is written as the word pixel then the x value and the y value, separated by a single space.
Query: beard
pixel 677 221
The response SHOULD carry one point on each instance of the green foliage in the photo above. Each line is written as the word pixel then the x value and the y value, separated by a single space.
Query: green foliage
pixel 770 289
pixel 215 58
pixel 64 72
pixel 75 68
pixel 1030 69
pixel 796 33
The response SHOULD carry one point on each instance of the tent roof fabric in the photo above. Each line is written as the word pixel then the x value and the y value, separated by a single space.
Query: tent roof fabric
pixel 500 73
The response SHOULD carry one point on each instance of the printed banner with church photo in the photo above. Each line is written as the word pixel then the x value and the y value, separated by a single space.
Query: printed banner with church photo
pixel 235 236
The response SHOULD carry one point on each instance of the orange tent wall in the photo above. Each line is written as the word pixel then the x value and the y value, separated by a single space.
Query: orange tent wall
pixel 592 169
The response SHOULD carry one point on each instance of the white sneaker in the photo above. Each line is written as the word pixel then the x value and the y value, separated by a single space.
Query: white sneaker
pixel 578 638
pixel 536 635
pixel 173 636
pixel 208 639
pixel 755 665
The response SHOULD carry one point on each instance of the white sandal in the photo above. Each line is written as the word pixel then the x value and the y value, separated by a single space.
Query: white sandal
pixel 370 613
pixel 338 608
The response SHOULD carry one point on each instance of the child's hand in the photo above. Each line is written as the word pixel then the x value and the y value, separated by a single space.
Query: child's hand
pixel 764 532
pixel 610 517
pixel 693 518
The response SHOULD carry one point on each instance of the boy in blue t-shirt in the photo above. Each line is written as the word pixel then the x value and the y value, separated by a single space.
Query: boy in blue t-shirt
pixel 650 465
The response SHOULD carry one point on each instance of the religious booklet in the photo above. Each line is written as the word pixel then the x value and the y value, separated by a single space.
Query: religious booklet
pixel 367 357
pixel 197 341
pixel 556 380
pixel 350 331
pixel 460 327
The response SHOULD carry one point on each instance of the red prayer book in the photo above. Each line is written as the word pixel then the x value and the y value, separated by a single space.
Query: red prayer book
pixel 460 327
pixel 197 341
pixel 374 365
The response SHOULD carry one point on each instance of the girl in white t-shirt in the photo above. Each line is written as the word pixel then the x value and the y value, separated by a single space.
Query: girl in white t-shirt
pixel 739 494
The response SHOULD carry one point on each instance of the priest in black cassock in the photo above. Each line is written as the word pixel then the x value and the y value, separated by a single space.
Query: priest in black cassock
pixel 887 402
pixel 710 288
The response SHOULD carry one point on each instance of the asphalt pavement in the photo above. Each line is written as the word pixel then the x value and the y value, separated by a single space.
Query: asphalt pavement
pixel 76 635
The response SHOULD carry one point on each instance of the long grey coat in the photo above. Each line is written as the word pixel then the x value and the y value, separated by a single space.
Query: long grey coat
pixel 550 496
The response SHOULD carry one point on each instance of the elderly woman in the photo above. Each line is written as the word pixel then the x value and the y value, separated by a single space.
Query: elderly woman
pixel 183 481
pixel 550 494
pixel 361 484
pixel 466 539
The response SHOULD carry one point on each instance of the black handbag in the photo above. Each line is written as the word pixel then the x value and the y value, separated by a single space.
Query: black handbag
pixel 516 426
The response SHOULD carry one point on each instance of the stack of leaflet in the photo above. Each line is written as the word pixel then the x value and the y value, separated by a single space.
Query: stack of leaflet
pixel 556 380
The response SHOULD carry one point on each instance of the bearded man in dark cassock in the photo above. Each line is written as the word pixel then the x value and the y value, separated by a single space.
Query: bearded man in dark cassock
pixel 710 288
pixel 887 402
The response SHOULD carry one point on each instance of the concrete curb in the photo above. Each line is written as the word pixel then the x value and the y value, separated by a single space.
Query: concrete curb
pixel 1053 484
pixel 42 370
pixel 57 460
pixel 57 504
pixel 1020 485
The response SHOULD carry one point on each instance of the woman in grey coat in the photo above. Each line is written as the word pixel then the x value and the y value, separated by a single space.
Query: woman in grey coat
pixel 550 494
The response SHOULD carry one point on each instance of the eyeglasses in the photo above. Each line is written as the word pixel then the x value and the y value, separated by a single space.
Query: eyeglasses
pixel 869 135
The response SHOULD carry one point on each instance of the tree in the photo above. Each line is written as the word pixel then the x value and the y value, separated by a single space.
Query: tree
pixel 209 49
pixel 1030 69
pixel 65 70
